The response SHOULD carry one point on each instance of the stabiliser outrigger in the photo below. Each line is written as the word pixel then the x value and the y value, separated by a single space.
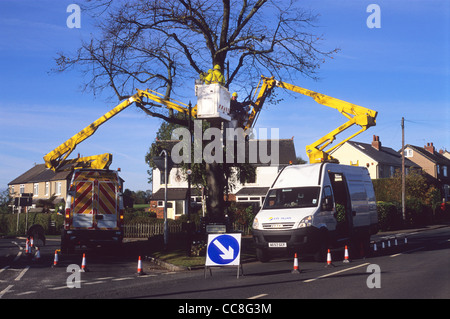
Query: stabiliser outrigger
pixel 316 152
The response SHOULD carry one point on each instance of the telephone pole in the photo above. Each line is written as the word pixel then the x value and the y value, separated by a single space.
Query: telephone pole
pixel 403 171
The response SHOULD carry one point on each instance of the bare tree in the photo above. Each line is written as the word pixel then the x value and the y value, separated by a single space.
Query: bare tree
pixel 165 45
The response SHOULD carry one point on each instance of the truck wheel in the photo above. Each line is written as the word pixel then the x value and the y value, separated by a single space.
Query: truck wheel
pixel 262 255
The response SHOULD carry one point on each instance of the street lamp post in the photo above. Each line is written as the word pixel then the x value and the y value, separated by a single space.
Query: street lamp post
pixel 164 164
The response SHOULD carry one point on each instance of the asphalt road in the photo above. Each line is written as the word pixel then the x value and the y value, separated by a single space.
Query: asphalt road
pixel 418 269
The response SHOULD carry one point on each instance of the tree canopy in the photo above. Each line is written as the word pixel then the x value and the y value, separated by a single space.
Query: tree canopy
pixel 165 45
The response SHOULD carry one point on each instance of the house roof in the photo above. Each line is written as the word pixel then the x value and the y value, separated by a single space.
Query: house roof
pixel 40 173
pixel 174 193
pixel 435 157
pixel 263 148
pixel 385 155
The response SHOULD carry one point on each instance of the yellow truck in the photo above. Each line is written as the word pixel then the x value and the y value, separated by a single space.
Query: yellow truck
pixel 94 210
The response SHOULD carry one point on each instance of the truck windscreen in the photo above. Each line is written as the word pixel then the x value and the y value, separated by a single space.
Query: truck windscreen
pixel 295 197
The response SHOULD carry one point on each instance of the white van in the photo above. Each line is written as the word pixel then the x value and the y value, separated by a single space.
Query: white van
pixel 313 207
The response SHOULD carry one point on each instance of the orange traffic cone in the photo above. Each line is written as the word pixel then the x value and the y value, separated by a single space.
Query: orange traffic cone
pixel 55 260
pixel 329 263
pixel 295 270
pixel 27 247
pixel 140 272
pixel 83 264
pixel 346 255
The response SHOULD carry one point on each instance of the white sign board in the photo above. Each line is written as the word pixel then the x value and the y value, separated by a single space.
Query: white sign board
pixel 223 250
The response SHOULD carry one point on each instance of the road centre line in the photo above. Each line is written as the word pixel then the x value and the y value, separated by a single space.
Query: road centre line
pixel 258 296
pixel 94 282
pixel 58 288
pixel 335 273
pixel 406 252
pixel 122 278
pixel 26 293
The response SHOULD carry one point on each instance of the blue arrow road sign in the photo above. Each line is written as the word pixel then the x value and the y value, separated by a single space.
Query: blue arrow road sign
pixel 223 249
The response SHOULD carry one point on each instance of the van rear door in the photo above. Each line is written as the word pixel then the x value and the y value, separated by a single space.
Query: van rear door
pixel 83 205
pixel 96 204
pixel 108 205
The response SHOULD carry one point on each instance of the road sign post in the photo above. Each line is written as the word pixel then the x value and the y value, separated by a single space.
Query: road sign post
pixel 223 250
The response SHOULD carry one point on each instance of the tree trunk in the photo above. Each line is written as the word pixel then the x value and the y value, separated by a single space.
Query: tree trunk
pixel 215 179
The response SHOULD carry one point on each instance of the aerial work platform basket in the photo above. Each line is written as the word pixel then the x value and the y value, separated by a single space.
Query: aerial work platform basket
pixel 213 102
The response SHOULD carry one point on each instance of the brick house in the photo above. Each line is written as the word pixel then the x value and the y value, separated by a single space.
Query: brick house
pixel 381 161
pixel 435 164
pixel 42 183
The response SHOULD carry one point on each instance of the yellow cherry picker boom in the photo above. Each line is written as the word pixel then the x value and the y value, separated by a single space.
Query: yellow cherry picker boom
pixel 356 115
pixel 57 158
pixel 94 203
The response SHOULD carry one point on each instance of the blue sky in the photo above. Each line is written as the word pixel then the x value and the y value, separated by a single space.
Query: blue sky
pixel 400 70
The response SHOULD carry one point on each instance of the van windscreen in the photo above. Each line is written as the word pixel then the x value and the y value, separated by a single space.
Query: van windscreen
pixel 294 197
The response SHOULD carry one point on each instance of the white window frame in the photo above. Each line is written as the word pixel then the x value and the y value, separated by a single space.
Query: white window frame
pixel 47 188
pixel 409 153
pixel 58 188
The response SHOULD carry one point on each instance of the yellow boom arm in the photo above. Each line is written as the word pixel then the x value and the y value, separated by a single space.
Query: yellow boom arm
pixel 57 158
pixel 316 152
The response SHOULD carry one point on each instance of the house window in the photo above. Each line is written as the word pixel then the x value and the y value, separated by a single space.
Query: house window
pixel 36 189
pixel 409 153
pixel 162 178
pixel 392 171
pixel 47 188
pixel 438 168
pixel 22 188
pixel 444 170
pixel 179 207
pixel 160 203
pixel 58 188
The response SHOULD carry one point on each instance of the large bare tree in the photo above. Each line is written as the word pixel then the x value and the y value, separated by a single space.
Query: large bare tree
pixel 165 45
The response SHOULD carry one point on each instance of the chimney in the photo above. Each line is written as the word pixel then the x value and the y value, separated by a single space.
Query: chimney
pixel 429 147
pixel 376 143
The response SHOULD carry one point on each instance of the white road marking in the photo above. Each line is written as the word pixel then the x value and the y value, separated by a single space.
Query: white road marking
pixel 406 252
pixel 258 296
pixel 4 291
pixel 335 273
pixel 22 273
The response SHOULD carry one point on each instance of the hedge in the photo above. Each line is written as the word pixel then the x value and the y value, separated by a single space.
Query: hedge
pixel 51 222
pixel 390 215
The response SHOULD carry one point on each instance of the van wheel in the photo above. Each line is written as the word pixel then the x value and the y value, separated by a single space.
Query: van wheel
pixel 262 255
